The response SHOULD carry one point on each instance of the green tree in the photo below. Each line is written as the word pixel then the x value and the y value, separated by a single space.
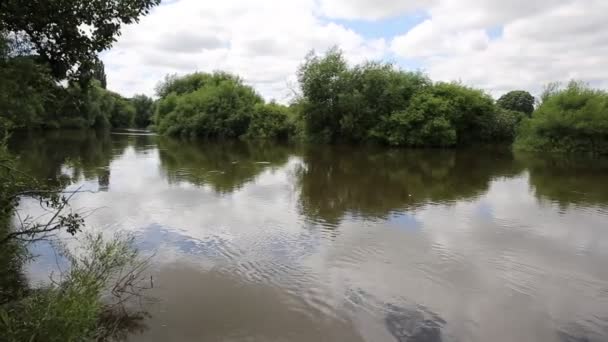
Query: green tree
pixel 123 114
pixel 323 81
pixel 69 34
pixel 441 115
pixel 220 108
pixel 144 110
pixel 344 103
pixel 517 100
pixel 25 90
pixel 471 112
pixel 505 124
pixel 271 121
pixel 574 119
pixel 426 122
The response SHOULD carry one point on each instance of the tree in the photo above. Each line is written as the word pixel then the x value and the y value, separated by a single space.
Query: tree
pixel 97 71
pixel 220 108
pixel 517 100
pixel 144 110
pixel 181 85
pixel 574 119
pixel 426 122
pixel 69 34
pixel 123 115
pixel 270 121
pixel 351 103
pixel 323 81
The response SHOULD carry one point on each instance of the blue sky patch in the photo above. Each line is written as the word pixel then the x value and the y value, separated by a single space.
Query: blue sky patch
pixel 387 28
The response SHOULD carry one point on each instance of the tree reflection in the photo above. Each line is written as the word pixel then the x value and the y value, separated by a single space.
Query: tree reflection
pixel 373 182
pixel 567 179
pixel 69 155
pixel 225 166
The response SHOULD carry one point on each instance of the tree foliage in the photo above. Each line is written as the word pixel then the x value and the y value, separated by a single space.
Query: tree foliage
pixel 69 34
pixel 343 103
pixel 517 100
pixel 31 98
pixel 46 41
pixel 221 106
pixel 270 121
pixel 573 119
pixel 144 110
pixel 378 102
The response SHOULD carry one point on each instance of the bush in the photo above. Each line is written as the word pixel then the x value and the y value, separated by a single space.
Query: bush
pixel 221 108
pixel 505 124
pixel 424 123
pixel 574 119
pixel 271 121
pixel 349 104
pixel 441 115
pixel 75 307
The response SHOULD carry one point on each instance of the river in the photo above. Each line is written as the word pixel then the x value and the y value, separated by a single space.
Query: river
pixel 273 242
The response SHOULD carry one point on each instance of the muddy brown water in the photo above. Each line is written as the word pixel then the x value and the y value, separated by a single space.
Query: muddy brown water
pixel 268 242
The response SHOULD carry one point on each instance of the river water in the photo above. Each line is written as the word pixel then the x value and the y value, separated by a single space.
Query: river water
pixel 268 242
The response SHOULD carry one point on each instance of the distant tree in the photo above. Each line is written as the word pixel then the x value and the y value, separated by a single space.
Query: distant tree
pixel 123 115
pixel 573 119
pixel 181 85
pixel 144 110
pixel 350 103
pixel 221 106
pixel 323 81
pixel 270 121
pixel 517 100
pixel 70 33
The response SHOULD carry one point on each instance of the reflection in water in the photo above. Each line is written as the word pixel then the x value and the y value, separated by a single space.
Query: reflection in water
pixel 567 179
pixel 424 245
pixel 225 166
pixel 377 182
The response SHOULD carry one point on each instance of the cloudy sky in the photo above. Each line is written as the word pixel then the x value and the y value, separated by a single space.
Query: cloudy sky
pixel 496 45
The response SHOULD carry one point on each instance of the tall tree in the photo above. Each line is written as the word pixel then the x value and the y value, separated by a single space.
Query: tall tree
pixel 68 34
pixel 517 100
pixel 144 110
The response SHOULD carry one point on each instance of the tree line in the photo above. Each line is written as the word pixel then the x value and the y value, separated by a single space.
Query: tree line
pixel 372 102
pixel 379 103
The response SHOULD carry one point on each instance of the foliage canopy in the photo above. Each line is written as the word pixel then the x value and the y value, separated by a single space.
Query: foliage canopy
pixel 572 119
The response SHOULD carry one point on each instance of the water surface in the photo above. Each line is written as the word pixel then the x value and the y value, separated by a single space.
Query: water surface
pixel 315 243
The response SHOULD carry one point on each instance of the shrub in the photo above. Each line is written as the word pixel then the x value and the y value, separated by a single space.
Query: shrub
pixel 75 307
pixel 270 121
pixel 505 124
pixel 442 115
pixel 424 123
pixel 349 103
pixel 574 119
pixel 219 109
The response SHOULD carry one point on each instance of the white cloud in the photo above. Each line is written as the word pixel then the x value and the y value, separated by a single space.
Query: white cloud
pixel 541 42
pixel 370 9
pixel 263 41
